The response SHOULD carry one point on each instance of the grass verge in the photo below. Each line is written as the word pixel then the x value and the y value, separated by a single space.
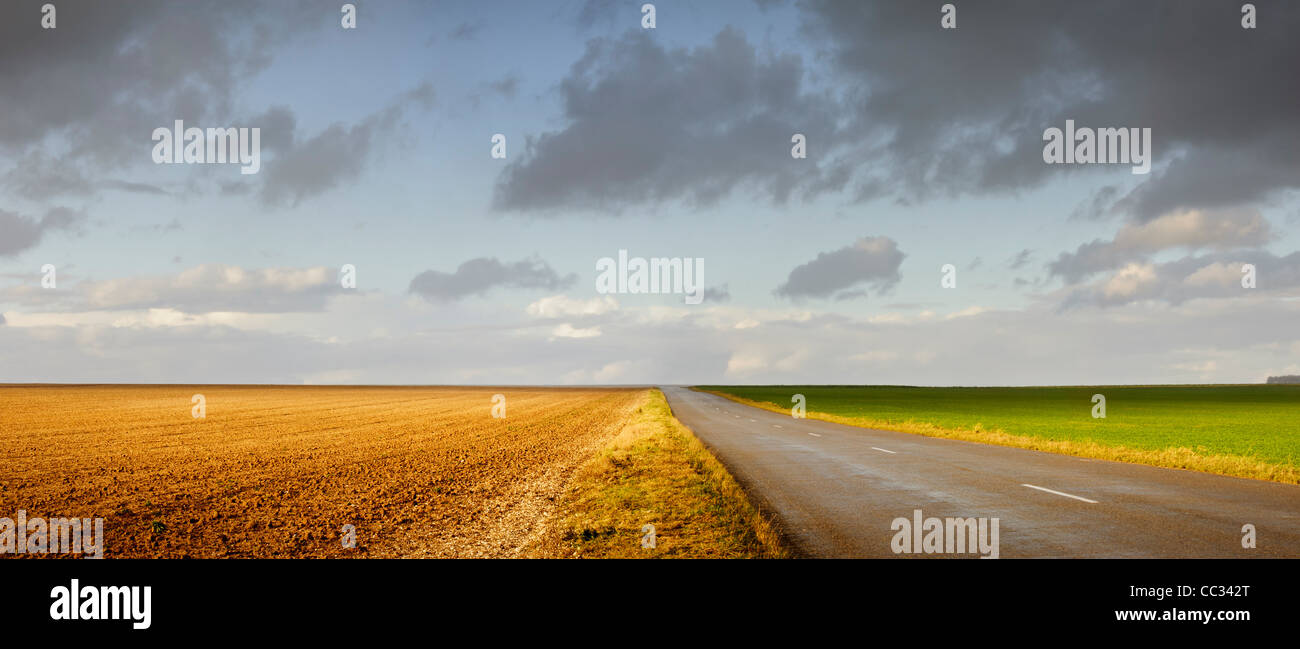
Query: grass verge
pixel 656 472
pixel 1161 451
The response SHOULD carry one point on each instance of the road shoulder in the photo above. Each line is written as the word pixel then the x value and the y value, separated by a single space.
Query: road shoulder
pixel 655 491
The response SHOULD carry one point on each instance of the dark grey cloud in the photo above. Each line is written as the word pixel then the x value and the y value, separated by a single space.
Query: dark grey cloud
pixel 966 113
pixel 1221 175
pixel 112 71
pixel 920 112
pixel 871 262
pixel 39 176
pixel 646 124
pixel 318 164
pixel 278 126
pixel 717 294
pixel 335 155
pixel 480 275
pixel 18 232
pixel 85 97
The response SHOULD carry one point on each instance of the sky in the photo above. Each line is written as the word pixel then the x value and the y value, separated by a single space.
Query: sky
pixel 924 163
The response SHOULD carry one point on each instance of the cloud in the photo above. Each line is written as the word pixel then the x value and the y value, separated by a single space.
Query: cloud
pixel 1217 275
pixel 562 306
pixel 567 330
pixel 173 225
pixel 107 75
pixel 111 72
pixel 599 11
pixel 135 188
pixel 949 129
pixel 38 177
pixel 480 275
pixel 465 31
pixel 646 125
pixel 1097 206
pixel 1189 229
pixel 376 339
pixel 18 233
pixel 204 289
pixel 873 261
pixel 1021 258
pixel 611 371
pixel 332 156
pixel 717 294
pixel 506 86
pixel 217 287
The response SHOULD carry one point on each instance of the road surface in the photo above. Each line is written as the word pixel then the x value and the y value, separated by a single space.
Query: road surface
pixel 836 491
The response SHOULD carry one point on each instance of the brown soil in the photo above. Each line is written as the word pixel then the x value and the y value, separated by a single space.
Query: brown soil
pixel 278 471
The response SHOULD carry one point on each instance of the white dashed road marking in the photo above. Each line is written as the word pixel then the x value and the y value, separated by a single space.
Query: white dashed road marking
pixel 1059 493
pixel 885 450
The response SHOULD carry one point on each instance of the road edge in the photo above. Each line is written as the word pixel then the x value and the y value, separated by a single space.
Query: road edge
pixel 656 472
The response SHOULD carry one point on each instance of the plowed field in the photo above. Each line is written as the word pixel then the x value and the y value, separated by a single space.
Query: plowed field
pixel 279 471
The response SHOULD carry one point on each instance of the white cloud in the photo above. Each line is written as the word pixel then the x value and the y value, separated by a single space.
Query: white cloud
pixel 875 356
pixel 1247 339
pixel 612 372
pixel 1216 274
pixel 1186 229
pixel 563 306
pixel 745 363
pixel 1129 281
pixel 203 289
pixel 141 318
pixel 567 330
pixel 1196 229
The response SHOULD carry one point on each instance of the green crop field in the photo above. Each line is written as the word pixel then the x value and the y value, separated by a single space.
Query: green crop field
pixel 1255 428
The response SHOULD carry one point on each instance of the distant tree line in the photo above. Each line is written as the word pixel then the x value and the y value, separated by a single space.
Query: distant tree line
pixel 1290 378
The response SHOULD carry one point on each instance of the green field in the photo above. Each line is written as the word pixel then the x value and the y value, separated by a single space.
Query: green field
pixel 1247 430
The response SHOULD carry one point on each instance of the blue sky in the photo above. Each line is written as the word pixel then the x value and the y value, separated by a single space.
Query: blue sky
pixel 933 150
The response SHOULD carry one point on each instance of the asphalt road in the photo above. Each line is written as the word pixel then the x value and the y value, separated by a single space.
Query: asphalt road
pixel 836 491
